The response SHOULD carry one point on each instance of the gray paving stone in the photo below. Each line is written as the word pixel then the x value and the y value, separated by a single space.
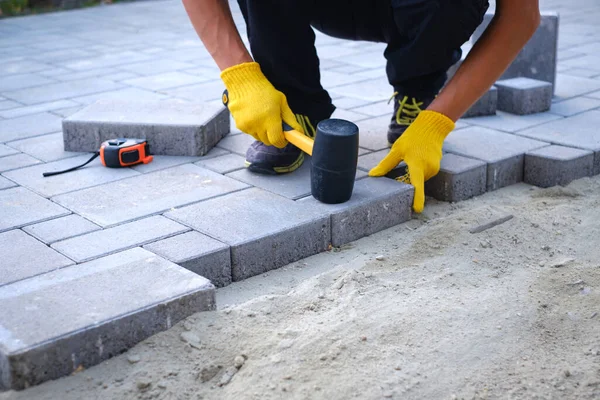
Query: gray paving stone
pixel 156 192
pixel 21 81
pixel 122 237
pixel 62 90
pixel 126 94
pixel 156 67
pixel 105 60
pixel 39 108
pixel 373 90
pixel 557 165
pixel 66 112
pixel 376 204
pixel 21 67
pixel 580 131
pixel 486 105
pixel 8 104
pixel 538 58
pixel 223 164
pixel 165 80
pixel 20 207
pixel 261 237
pixel 237 144
pixel 172 127
pixel 459 179
pixel 91 175
pixel 198 253
pixel 46 147
pixel 163 162
pixel 574 106
pixel 377 109
pixel 80 316
pixel 568 86
pixel 6 151
pixel 28 126
pixel 24 257
pixel 513 123
pixel 6 183
pixel 350 102
pixel 120 76
pixel 61 228
pixel 200 92
pixel 373 133
pixel 504 153
pixel 524 96
pixel 17 161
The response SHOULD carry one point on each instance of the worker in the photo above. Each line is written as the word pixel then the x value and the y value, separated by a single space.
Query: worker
pixel 281 80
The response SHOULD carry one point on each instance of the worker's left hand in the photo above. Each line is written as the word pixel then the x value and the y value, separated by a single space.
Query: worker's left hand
pixel 420 146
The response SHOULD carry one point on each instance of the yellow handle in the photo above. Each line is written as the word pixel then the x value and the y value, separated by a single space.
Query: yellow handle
pixel 300 140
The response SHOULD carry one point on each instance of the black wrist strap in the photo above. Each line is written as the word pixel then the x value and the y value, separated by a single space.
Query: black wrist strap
pixel 96 154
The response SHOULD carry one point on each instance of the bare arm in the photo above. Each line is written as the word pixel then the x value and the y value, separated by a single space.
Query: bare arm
pixel 514 23
pixel 214 24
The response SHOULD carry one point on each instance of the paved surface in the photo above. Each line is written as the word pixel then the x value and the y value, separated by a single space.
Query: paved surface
pixel 192 211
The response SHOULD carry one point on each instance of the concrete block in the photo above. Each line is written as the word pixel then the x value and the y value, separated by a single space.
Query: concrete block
pixel 155 193
pixel 61 228
pixel 80 316
pixel 172 127
pixel 5 183
pixel 376 204
pixel 580 131
pixel 20 207
pixel 373 132
pixel 198 253
pixel 8 104
pixel 28 126
pixel 6 151
pixel 513 123
pixel 24 257
pixel 124 94
pixel 62 90
pixel 47 148
pixel 122 237
pixel 165 80
pixel 17 161
pixel 503 152
pixel 574 106
pixel 156 67
pixel 524 96
pixel 460 178
pixel 557 165
pixel 486 105
pixel 206 91
pixel 36 109
pixel 223 164
pixel 21 81
pixel 568 86
pixel 261 237
pixel 538 58
pixel 372 90
pixel 237 144
pixel 91 175
pixel 163 162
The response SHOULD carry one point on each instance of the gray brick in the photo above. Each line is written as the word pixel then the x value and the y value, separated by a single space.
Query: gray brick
pixel 23 81
pixel 486 105
pixel 198 253
pixel 201 92
pixel 579 131
pixel 46 147
pixel 557 165
pixel 538 58
pixel 460 178
pixel 261 237
pixel 8 104
pixel 370 161
pixel 21 67
pixel 126 94
pixel 165 80
pixel 568 86
pixel 163 162
pixel 378 109
pixel 513 123
pixel 91 175
pixel 154 193
pixel 373 132
pixel 236 143
pixel 5 183
pixel 223 164
pixel 16 161
pixel 524 96
pixel 62 90
pixel 156 67
pixel 66 112
pixel 39 108
pixel 172 127
pixel 28 126
pixel 101 243
pixel 104 60
pixel 81 316
pixel 61 228
pixel 20 207
pixel 373 90
pixel 503 152
pixel 6 151
pixel 574 106
pixel 376 204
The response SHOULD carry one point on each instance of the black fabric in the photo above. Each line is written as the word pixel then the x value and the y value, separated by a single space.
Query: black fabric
pixel 423 40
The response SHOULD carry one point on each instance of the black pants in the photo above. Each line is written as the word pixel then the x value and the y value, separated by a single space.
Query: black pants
pixel 423 40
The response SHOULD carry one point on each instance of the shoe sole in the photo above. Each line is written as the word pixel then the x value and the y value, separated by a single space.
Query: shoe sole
pixel 268 170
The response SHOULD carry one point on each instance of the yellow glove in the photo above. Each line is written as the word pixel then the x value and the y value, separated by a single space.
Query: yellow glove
pixel 256 106
pixel 420 146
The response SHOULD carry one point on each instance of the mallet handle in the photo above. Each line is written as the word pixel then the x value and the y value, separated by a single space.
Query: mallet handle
pixel 298 139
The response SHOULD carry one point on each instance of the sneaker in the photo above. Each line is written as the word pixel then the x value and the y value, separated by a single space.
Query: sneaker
pixel 270 160
pixel 406 110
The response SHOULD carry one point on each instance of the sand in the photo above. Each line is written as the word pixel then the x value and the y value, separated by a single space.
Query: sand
pixel 425 310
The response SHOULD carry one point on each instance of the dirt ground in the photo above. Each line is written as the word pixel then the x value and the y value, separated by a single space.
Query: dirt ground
pixel 425 310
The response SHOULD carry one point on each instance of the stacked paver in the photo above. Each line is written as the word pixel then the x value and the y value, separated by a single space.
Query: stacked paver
pixel 98 259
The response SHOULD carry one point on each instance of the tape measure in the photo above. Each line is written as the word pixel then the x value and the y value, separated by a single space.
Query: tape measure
pixel 117 153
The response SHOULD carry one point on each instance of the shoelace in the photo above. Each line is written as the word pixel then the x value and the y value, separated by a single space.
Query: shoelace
pixel 407 112
pixel 309 129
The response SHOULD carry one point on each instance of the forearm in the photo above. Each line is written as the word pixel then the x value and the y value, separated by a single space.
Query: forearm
pixel 214 24
pixel 514 23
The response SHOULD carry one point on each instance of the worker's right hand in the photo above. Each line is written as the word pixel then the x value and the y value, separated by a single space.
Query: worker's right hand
pixel 258 109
